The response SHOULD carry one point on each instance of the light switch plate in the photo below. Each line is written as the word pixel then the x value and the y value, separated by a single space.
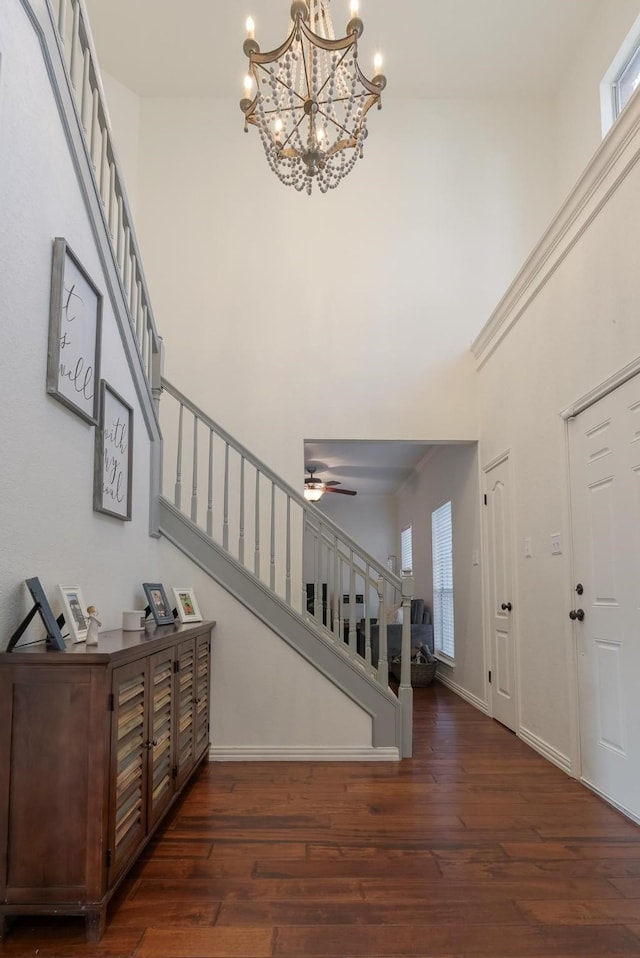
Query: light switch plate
pixel 527 548
pixel 556 544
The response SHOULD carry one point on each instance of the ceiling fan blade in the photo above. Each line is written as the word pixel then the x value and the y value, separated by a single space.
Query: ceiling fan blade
pixel 341 492
pixel 332 482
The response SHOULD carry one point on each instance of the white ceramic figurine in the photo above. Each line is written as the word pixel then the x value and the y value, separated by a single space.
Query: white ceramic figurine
pixel 94 625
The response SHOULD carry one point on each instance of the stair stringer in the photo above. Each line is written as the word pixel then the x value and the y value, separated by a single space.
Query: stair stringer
pixel 330 660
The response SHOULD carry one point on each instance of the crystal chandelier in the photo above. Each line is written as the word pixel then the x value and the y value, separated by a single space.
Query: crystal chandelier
pixel 312 99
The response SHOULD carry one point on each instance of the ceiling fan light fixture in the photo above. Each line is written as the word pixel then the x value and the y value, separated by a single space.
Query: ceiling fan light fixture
pixel 314 491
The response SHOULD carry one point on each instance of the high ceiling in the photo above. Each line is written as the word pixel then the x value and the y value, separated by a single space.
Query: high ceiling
pixel 449 48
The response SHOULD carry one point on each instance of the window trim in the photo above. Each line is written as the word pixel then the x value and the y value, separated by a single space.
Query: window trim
pixel 609 110
pixel 441 514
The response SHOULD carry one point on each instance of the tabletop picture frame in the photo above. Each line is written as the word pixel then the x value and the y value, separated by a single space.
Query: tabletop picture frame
pixel 75 611
pixel 187 605
pixel 159 605
pixel 41 607
pixel 75 333
pixel 113 460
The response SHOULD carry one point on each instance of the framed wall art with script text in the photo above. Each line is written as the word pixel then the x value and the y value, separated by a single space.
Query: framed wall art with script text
pixel 75 322
pixel 113 465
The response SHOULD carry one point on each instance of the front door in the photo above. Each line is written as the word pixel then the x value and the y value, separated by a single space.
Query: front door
pixel 504 703
pixel 605 502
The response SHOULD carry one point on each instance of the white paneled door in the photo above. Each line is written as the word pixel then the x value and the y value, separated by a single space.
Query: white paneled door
pixel 605 504
pixel 504 704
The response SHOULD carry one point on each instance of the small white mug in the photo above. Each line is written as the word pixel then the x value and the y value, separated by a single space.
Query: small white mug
pixel 133 621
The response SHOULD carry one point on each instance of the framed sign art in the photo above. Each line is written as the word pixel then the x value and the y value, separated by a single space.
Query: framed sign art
pixel 113 464
pixel 75 322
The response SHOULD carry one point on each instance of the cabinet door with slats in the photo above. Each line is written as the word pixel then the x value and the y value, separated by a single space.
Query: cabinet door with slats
pixel 127 819
pixel 161 786
pixel 203 678
pixel 185 698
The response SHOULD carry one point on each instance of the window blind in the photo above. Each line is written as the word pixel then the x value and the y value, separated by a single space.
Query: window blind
pixel 406 550
pixel 442 546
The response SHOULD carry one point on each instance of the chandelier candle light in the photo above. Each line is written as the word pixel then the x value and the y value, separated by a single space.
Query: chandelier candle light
pixel 311 98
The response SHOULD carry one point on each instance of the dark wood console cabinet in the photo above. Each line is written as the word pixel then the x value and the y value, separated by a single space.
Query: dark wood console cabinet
pixel 96 744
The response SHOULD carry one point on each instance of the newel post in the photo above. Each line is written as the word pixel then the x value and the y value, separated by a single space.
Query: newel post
pixel 405 691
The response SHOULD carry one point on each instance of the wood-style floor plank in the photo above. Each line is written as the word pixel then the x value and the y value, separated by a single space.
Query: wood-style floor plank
pixel 475 848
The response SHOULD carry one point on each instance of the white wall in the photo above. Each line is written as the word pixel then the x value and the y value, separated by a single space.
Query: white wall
pixel 47 524
pixel 450 473
pixel 346 315
pixel 369 519
pixel 263 694
pixel 579 327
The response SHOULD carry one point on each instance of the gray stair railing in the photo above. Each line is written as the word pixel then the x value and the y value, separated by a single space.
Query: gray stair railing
pixel 73 33
pixel 296 552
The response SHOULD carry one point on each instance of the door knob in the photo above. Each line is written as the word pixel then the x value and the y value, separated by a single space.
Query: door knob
pixel 506 607
pixel 576 614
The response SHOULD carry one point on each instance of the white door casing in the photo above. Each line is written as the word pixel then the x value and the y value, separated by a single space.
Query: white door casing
pixel 502 638
pixel 604 448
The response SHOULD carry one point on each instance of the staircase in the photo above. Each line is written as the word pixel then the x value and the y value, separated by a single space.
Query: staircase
pixel 228 512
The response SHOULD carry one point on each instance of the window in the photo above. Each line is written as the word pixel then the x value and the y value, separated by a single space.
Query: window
pixel 442 546
pixel 621 79
pixel 406 550
pixel 627 81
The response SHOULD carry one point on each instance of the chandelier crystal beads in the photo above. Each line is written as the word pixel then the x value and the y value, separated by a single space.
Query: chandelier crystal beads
pixel 311 98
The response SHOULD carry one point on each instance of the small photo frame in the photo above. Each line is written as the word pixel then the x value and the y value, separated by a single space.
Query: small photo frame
pixel 159 605
pixel 75 323
pixel 75 611
pixel 187 605
pixel 113 460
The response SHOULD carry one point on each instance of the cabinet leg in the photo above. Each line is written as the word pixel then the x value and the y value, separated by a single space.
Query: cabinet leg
pixel 95 923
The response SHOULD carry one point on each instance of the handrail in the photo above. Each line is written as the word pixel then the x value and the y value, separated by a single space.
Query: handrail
pixel 76 45
pixel 269 474
pixel 341 587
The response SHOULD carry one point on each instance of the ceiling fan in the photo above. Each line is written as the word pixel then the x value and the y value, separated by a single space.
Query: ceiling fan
pixel 314 489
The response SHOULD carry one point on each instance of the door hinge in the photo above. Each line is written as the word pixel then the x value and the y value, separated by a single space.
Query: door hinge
pixel 176 665
pixel 489 676
pixel 485 499
pixel 174 771
pixel 111 702
pixel 109 857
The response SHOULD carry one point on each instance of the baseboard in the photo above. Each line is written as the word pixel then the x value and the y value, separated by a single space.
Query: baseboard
pixel 547 751
pixel 301 753
pixel 610 801
pixel 463 694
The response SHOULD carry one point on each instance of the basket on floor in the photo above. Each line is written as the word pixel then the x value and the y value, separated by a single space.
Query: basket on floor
pixel 422 674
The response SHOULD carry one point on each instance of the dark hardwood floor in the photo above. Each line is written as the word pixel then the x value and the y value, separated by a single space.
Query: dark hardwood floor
pixel 475 847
